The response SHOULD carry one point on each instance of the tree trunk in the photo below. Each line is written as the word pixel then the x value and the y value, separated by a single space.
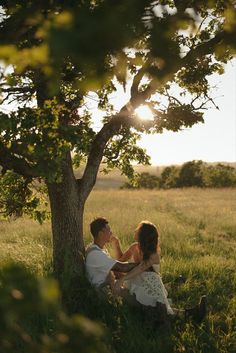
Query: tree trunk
pixel 67 225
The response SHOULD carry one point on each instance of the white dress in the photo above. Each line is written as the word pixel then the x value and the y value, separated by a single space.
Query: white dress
pixel 149 289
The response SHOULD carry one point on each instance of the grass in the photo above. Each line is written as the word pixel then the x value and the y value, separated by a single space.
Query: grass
pixel 198 240
pixel 26 242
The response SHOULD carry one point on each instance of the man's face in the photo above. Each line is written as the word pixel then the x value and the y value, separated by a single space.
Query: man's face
pixel 106 233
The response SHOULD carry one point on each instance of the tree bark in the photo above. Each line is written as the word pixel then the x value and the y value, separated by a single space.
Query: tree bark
pixel 67 225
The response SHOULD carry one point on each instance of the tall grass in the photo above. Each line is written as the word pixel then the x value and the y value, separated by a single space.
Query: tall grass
pixel 198 240
pixel 25 241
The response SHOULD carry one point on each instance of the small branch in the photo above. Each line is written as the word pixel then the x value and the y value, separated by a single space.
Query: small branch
pixel 198 30
pixel 172 98
pixel 12 90
pixel 136 81
pixel 202 106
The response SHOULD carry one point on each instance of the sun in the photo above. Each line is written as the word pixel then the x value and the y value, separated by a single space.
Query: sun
pixel 144 112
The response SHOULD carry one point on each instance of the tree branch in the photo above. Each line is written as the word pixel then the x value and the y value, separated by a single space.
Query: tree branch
pixel 109 129
pixel 136 81
pixel 124 118
pixel 19 165
pixel 168 73
pixel 17 90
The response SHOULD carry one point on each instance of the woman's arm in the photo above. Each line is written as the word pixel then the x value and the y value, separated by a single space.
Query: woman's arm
pixel 128 254
pixel 116 246
pixel 143 266
pixel 119 255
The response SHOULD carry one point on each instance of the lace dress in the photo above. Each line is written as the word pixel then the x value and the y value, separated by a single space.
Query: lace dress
pixel 149 289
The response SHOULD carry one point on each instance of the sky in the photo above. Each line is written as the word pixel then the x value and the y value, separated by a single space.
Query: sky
pixel 213 141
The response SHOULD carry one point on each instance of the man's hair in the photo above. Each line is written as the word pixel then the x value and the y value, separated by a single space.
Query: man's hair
pixel 96 225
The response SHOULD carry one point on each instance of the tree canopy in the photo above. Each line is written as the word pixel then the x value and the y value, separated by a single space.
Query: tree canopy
pixel 60 51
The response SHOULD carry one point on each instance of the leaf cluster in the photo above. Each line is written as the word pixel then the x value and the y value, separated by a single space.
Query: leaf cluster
pixel 40 137
pixel 19 196
pixel 177 116
pixel 122 151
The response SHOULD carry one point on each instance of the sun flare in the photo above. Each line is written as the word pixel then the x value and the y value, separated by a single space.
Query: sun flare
pixel 144 112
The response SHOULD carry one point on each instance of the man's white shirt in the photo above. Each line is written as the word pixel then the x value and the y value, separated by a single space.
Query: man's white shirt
pixel 98 264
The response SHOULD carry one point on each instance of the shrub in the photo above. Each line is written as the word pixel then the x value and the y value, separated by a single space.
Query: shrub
pixel 143 181
pixel 32 319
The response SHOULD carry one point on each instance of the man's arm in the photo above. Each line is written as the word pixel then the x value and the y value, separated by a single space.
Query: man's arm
pixel 140 268
pixel 123 266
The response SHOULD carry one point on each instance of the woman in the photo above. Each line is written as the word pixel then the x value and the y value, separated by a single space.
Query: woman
pixel 145 282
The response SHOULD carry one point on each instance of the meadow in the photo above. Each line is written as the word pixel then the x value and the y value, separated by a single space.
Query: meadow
pixel 198 240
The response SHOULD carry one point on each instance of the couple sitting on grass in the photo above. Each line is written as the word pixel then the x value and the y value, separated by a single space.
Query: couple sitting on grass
pixel 141 284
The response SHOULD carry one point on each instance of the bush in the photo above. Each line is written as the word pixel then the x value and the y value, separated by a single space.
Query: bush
pixel 169 177
pixel 143 181
pixel 32 319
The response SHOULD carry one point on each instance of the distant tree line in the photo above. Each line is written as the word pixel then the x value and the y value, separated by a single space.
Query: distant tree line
pixel 193 173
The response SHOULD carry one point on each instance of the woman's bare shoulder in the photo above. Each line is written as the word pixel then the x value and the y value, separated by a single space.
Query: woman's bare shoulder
pixel 134 245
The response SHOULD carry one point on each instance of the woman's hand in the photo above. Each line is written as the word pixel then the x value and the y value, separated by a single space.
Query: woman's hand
pixel 115 243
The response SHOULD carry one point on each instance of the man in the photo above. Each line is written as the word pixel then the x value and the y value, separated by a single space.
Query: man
pixel 99 265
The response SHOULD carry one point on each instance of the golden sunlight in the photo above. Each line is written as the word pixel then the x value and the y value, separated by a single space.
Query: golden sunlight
pixel 144 112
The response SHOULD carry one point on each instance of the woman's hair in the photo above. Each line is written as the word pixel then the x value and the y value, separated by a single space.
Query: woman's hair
pixel 147 238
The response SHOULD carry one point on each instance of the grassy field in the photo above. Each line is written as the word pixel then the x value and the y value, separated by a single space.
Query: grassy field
pixel 114 179
pixel 198 240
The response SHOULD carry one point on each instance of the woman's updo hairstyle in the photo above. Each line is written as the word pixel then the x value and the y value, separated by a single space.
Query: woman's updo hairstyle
pixel 148 239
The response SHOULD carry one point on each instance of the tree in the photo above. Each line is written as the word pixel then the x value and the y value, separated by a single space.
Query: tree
pixel 169 177
pixel 55 53
pixel 219 176
pixel 191 174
